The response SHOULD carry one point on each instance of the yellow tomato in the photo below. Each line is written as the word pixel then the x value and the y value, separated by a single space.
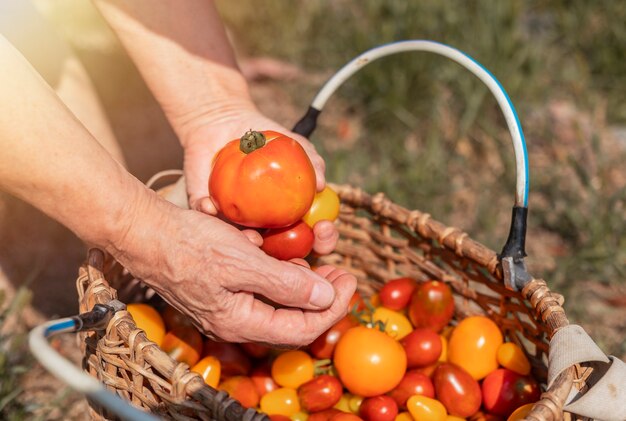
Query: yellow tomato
pixel 474 345
pixel 293 369
pixel 454 418
pixel 396 324
pixel 325 206
pixel 521 412
pixel 300 416
pixel 149 320
pixel 512 357
pixel 282 401
pixel 210 370
pixel 426 409
pixel 404 416
pixel 349 403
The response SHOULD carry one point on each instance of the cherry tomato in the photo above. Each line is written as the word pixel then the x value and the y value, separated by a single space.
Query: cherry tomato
pixel 511 356
pixel 174 318
pixel 292 242
pixel 345 416
pixel 521 412
pixel 149 320
pixel 457 390
pixel 431 306
pixel 277 417
pixel 324 345
pixel 234 361
pixel 396 324
pixel 262 378
pixel 363 354
pixel 426 409
pixel 505 390
pixel 396 293
pixel 413 383
pixel 283 401
pixel 325 207
pixel 263 180
pixel 300 416
pixel 474 345
pixel 429 370
pixel 184 344
pixel 357 302
pixel 444 349
pixel 255 350
pixel 349 403
pixel 379 408
pixel 324 415
pixel 454 418
pixel 241 388
pixel 293 368
pixel 210 370
pixel 320 393
pixel 404 416
pixel 423 347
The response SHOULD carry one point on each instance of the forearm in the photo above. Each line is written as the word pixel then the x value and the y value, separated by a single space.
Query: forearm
pixel 51 161
pixel 182 52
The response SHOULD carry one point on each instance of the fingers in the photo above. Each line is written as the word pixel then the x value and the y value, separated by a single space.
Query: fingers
pixel 287 326
pixel 204 205
pixel 254 237
pixel 326 237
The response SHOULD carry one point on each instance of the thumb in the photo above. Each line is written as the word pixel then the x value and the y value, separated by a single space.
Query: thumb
pixel 290 285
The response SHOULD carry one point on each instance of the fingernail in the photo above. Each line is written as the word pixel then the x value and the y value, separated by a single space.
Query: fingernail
pixel 322 295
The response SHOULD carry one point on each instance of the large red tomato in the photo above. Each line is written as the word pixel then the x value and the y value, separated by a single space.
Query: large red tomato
pixel 369 362
pixel 505 390
pixel 457 390
pixel 263 180
pixel 294 241
pixel 432 305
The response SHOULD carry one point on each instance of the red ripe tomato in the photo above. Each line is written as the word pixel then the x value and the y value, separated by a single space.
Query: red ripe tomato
pixel 369 362
pixel 184 344
pixel 357 302
pixel 278 417
pixel 324 345
pixel 423 347
pixel 233 360
pixel 262 378
pixel 320 393
pixel 242 389
pixel 174 318
pixel 413 383
pixel 378 408
pixel 432 305
pixel 457 390
pixel 263 180
pixel 255 350
pixel 294 241
pixel 396 293
pixel 505 390
pixel 324 415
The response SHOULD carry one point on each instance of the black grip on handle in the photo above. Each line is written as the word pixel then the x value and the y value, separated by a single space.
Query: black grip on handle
pixel 308 123
pixel 515 246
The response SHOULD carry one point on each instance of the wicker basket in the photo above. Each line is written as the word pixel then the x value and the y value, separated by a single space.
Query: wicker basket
pixel 379 240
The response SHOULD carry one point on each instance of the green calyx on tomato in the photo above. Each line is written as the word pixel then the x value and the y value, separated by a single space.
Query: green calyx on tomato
pixel 251 141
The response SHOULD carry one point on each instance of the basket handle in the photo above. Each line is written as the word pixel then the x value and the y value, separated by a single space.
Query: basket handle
pixel 513 252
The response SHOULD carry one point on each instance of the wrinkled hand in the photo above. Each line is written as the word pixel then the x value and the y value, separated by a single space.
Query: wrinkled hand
pixel 203 143
pixel 209 271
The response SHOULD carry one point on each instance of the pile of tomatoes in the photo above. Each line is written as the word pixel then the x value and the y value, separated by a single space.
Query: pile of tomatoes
pixel 395 357
pixel 266 181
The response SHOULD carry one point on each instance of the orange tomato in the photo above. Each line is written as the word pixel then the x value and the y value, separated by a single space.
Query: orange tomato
pixel 149 320
pixel 426 409
pixel 396 324
pixel 364 354
pixel 325 207
pixel 443 357
pixel 404 416
pixel 282 401
pixel 210 370
pixel 511 356
pixel 184 344
pixel 263 180
pixel 241 388
pixel 474 345
pixel 521 412
pixel 293 369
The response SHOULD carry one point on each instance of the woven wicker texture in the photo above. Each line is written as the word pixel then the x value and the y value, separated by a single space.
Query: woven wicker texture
pixel 379 240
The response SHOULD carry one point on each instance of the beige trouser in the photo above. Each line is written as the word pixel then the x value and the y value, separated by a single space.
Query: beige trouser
pixel 34 249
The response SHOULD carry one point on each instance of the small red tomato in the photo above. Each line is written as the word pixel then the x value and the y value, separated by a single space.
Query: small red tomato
pixel 413 383
pixel 174 318
pixel 345 416
pixel 255 350
pixel 423 347
pixel 457 390
pixel 292 242
pixel 324 345
pixel 242 389
pixel 357 302
pixel 505 390
pixel 320 393
pixel 396 294
pixel 233 360
pixel 432 305
pixel 378 408
pixel 429 370
pixel 262 378
pixel 324 415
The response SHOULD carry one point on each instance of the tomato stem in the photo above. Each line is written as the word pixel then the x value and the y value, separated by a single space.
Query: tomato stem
pixel 251 141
